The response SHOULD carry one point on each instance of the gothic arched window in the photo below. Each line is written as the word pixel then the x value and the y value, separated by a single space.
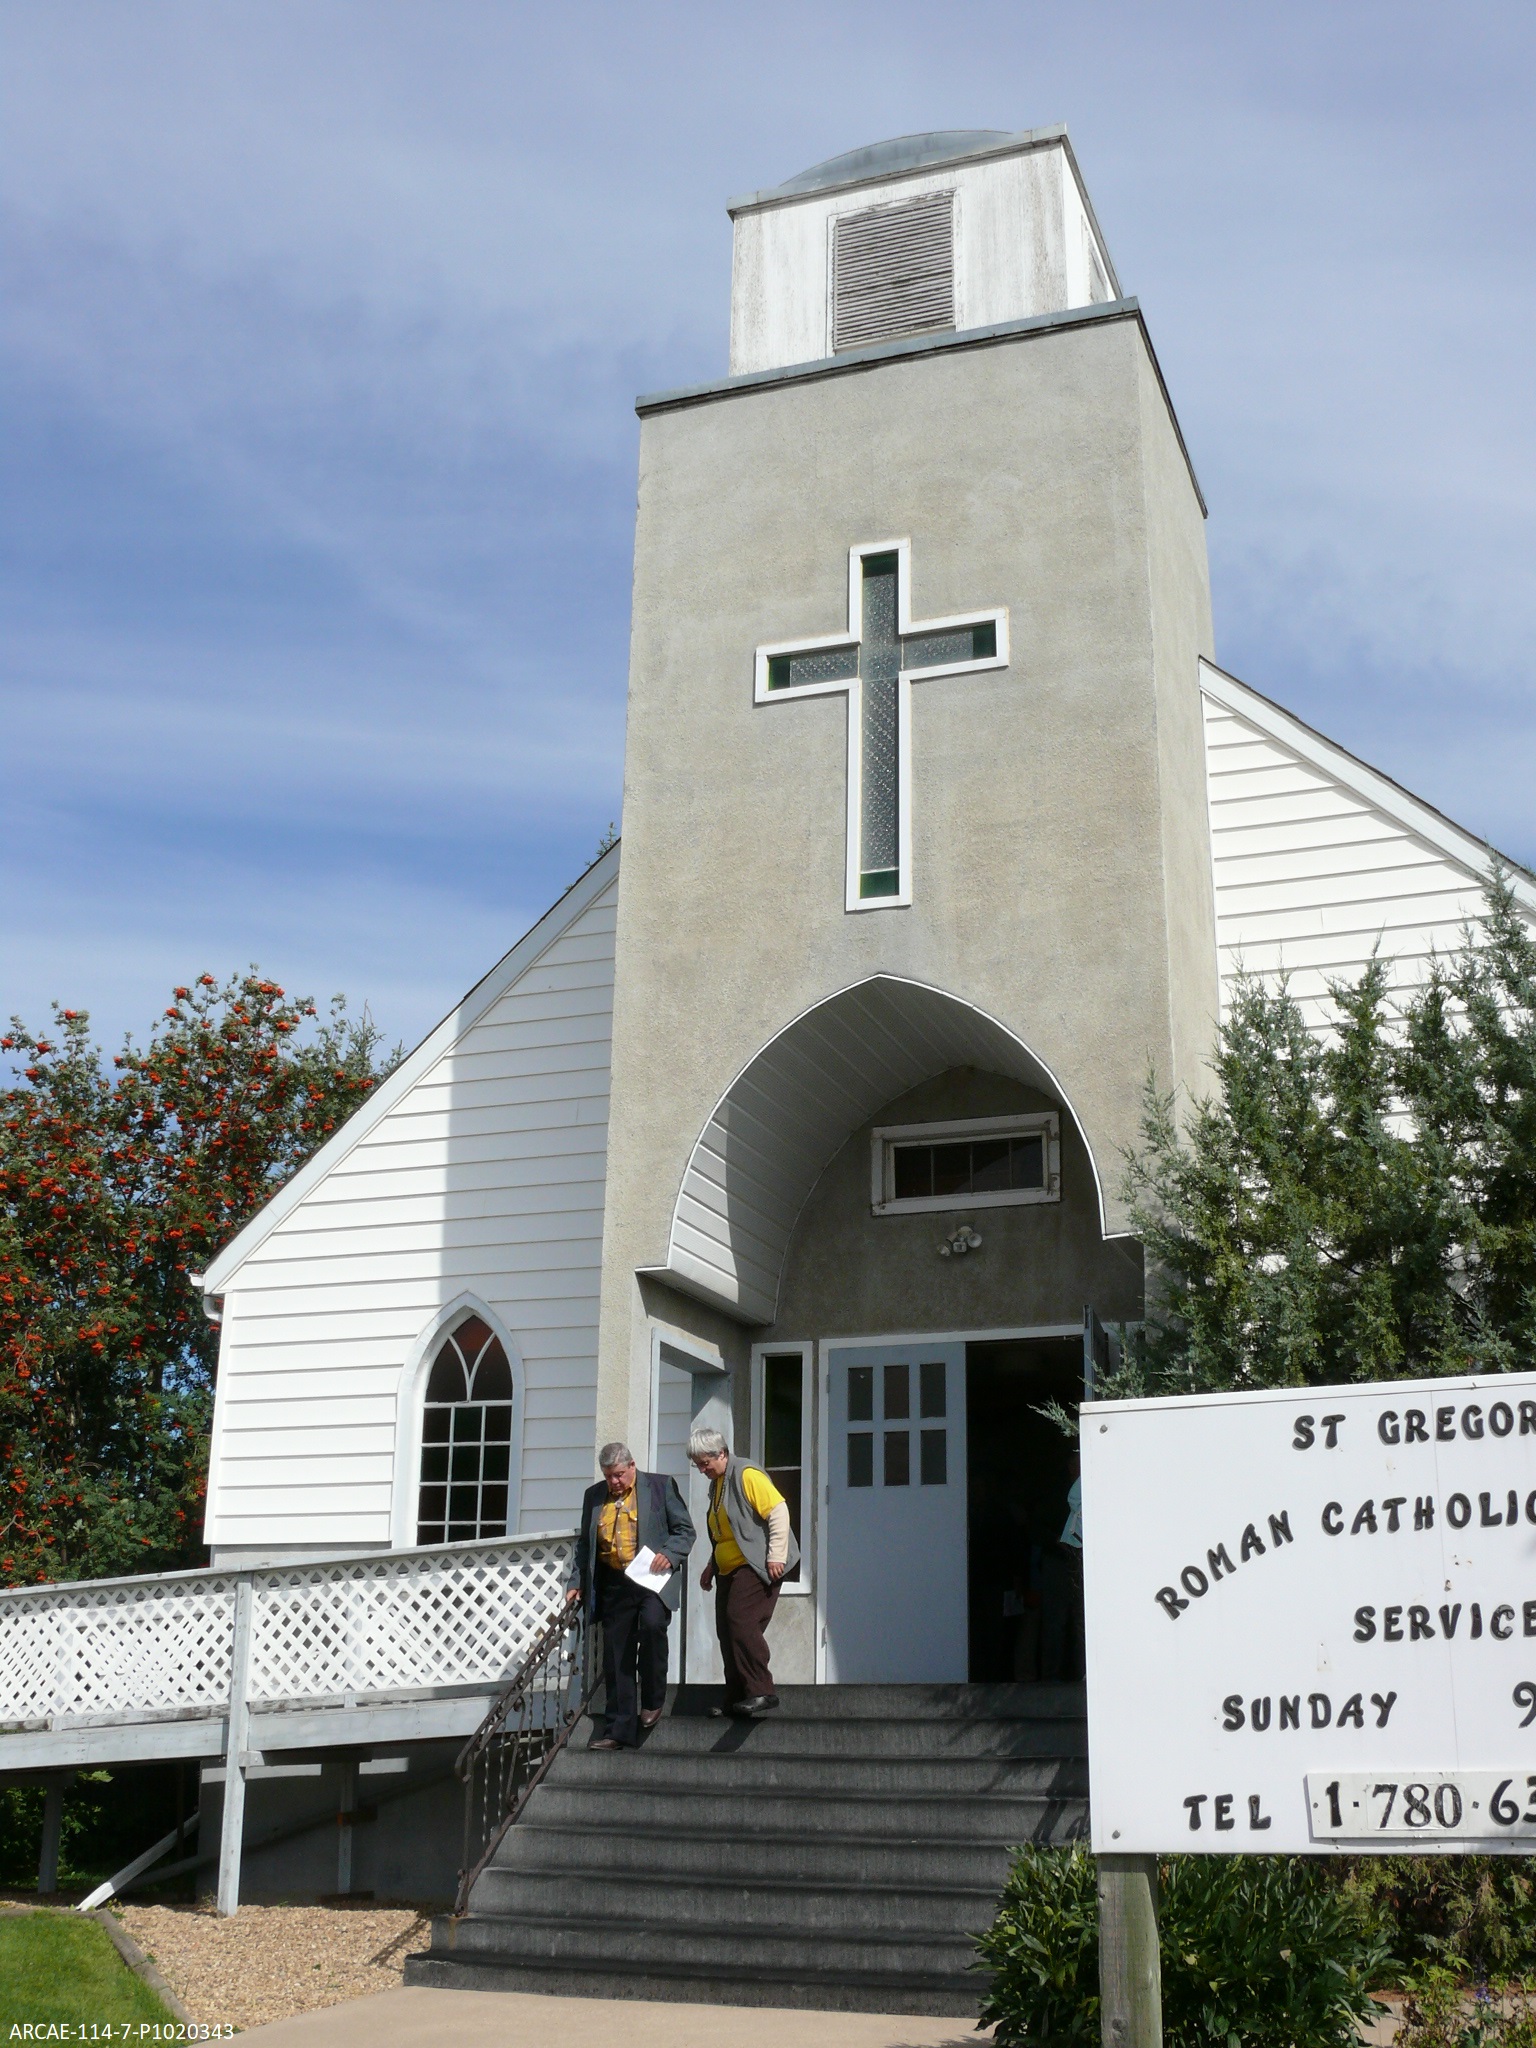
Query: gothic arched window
pixel 466 1438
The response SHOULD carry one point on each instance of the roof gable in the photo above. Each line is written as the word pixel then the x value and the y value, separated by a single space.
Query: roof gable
pixel 437 1045
pixel 1319 861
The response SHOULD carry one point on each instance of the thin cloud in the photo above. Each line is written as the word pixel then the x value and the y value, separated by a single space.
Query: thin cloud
pixel 322 327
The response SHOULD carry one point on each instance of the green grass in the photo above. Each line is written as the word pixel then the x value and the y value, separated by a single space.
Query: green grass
pixel 57 1968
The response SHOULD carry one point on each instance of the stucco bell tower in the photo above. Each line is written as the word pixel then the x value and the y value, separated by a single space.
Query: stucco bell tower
pixel 914 781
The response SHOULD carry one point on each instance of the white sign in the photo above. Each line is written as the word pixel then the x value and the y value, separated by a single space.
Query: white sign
pixel 1311 1618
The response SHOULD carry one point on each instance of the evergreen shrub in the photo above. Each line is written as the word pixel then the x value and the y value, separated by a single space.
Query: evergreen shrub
pixel 1352 1206
pixel 1257 1952
pixel 1472 1918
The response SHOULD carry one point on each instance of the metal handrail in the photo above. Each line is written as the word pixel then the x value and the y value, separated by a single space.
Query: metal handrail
pixel 525 1730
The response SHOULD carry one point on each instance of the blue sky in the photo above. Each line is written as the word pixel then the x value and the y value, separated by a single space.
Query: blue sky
pixel 320 333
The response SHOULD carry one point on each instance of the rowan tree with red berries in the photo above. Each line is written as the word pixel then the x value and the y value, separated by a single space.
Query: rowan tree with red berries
pixel 119 1181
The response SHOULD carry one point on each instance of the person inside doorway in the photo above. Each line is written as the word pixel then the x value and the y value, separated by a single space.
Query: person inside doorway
pixel 753 1547
pixel 1061 1590
pixel 626 1512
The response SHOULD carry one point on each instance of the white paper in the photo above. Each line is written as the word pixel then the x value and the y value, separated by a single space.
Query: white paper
pixel 642 1574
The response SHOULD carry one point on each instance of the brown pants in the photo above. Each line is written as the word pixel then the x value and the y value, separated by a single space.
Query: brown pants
pixel 743 1608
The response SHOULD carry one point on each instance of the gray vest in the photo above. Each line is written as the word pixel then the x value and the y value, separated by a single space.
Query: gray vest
pixel 748 1527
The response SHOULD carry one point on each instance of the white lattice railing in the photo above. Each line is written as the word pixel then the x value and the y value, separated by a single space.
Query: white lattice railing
pixel 327 1632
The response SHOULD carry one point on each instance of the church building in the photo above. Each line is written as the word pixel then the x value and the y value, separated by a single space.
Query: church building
pixel 804 1111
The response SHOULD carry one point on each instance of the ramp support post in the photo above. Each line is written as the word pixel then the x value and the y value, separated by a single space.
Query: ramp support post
pixel 53 1828
pixel 231 1836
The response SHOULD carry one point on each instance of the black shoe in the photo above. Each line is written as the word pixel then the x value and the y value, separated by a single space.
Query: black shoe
pixel 760 1703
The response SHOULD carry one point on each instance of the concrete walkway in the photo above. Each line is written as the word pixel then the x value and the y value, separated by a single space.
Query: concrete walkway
pixel 416 2017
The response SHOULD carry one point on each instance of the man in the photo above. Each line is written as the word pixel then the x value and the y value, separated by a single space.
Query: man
pixel 625 1512
pixel 754 1547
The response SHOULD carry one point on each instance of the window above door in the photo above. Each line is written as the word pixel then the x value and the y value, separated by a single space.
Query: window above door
pixel 985 1162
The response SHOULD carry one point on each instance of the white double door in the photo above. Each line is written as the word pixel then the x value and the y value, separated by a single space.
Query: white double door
pixel 895 1605
pixel 689 1398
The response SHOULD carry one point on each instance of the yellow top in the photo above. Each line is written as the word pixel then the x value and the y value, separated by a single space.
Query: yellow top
pixel 761 1492
pixel 618 1531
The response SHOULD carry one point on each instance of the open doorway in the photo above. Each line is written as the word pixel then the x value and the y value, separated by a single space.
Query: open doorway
pixel 689 1390
pixel 1025 1585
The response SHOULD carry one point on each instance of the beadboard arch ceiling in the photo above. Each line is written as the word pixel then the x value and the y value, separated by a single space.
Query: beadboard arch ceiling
pixel 793 1106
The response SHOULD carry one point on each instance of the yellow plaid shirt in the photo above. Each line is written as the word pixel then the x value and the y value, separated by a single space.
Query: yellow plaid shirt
pixel 618 1531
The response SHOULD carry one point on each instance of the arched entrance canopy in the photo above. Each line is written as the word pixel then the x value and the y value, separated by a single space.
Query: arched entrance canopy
pixel 792 1107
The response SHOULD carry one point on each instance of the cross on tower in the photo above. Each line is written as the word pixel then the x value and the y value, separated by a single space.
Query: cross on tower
pixel 883 652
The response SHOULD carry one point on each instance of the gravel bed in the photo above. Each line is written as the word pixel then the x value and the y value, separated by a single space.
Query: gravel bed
pixel 270 1962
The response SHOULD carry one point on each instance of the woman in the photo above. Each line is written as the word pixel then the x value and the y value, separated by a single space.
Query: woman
pixel 753 1547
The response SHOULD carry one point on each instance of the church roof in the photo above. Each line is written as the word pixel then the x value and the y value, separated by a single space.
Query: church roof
pixel 1413 813
pixel 529 949
pixel 902 153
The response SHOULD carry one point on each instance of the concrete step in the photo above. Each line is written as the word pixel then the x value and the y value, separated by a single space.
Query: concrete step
pixel 662 1946
pixel 907 1702
pixel 711 1903
pixel 801 1987
pixel 841 1853
pixel 688 1773
pixel 886 1858
pixel 997 1816
pixel 869 1735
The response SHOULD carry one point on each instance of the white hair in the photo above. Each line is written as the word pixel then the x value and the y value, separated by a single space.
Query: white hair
pixel 615 1454
pixel 706 1443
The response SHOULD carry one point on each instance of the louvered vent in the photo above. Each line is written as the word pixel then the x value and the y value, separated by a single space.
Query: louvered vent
pixel 893 271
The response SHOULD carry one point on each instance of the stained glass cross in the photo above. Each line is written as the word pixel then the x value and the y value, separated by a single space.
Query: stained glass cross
pixel 875 662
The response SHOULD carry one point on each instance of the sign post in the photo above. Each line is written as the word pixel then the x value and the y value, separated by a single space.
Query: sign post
pixel 1130 1975
pixel 1310 1619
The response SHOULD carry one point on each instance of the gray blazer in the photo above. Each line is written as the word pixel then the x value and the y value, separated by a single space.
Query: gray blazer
pixel 665 1525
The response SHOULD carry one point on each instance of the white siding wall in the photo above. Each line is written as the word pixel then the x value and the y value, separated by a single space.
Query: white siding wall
pixel 1314 868
pixel 486 1176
